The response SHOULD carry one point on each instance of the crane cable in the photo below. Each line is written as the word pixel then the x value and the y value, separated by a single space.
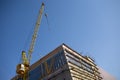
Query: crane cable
pixel 47 21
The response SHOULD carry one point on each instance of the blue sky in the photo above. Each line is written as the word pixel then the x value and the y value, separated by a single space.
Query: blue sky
pixel 91 27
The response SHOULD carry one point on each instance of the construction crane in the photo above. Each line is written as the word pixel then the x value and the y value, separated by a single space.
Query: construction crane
pixel 23 68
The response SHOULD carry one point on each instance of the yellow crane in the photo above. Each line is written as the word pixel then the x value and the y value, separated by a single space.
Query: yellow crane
pixel 23 68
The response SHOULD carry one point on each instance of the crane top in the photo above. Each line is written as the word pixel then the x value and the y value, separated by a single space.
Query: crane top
pixel 43 4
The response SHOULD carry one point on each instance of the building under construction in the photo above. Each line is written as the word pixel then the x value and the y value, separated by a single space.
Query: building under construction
pixel 63 63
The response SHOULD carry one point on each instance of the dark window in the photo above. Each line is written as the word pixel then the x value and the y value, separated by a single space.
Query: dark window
pixel 20 79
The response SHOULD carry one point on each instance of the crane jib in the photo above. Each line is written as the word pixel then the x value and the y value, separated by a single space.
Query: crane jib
pixel 35 32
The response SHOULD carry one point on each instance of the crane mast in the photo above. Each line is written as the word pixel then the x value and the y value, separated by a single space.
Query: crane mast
pixel 23 68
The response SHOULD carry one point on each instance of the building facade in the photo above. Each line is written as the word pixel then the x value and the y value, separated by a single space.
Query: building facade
pixel 63 63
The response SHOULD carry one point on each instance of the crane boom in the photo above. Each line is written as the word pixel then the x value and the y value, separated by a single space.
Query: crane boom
pixel 35 32
pixel 23 68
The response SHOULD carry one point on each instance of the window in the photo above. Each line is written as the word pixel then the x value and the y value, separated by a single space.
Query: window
pixel 20 79
pixel 53 63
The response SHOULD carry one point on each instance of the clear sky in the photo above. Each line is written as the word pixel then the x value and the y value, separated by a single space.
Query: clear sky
pixel 88 26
